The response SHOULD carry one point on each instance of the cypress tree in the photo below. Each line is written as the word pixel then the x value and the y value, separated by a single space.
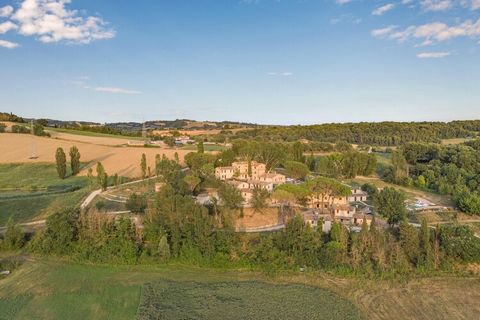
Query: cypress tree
pixel 143 166
pixel 425 246
pixel 200 147
pixel 164 249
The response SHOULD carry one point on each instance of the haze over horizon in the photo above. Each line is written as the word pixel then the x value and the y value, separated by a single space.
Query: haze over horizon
pixel 259 61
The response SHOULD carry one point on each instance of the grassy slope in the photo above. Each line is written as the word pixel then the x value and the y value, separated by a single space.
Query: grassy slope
pixel 24 210
pixel 55 290
pixel 25 177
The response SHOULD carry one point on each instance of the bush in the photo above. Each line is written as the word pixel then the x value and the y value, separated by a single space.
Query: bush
pixel 460 243
pixel 20 129
pixel 137 203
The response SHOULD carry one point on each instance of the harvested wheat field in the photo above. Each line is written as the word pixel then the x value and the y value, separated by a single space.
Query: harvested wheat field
pixel 125 161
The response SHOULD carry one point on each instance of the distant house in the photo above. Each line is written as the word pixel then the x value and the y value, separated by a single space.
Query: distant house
pixel 137 143
pixel 183 140
pixel 358 195
pixel 314 219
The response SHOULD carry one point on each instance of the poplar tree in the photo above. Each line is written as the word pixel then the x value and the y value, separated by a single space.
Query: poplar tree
pixel 100 173
pixel 74 160
pixel 61 161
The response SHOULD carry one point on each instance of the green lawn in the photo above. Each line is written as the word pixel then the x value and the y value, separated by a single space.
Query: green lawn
pixel 93 134
pixel 55 290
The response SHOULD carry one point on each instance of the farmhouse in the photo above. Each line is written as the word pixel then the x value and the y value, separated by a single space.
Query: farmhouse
pixel 325 201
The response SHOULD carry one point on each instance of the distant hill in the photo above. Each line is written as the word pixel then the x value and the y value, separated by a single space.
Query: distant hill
pixel 179 124
pixel 134 127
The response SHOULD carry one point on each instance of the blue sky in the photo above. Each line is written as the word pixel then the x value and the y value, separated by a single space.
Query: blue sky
pixel 263 61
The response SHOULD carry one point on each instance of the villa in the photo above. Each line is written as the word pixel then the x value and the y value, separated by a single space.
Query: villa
pixel 247 176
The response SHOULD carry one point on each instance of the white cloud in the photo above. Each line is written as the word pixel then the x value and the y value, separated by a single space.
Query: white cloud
pixel 379 33
pixel 436 5
pixel 431 32
pixel 433 55
pixel 116 90
pixel 7 26
pixel 383 9
pixel 6 11
pixel 343 1
pixel 8 44
pixel 284 74
pixel 51 21
pixel 475 5
pixel 443 5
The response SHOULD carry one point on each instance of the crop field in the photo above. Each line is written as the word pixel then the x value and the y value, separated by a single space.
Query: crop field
pixel 124 161
pixel 50 289
pixel 241 300
pixel 54 290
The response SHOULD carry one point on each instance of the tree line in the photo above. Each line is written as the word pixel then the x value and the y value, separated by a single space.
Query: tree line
pixel 383 133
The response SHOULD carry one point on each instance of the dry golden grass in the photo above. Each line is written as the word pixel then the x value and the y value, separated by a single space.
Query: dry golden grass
pixel 125 161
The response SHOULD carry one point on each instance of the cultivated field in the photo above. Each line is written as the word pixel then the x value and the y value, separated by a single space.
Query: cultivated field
pixel 125 161
pixel 56 290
